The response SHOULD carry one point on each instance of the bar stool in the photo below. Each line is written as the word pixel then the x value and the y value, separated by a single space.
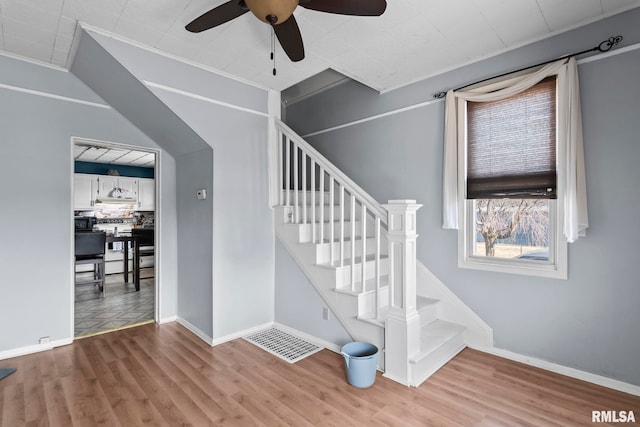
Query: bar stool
pixel 146 242
pixel 90 249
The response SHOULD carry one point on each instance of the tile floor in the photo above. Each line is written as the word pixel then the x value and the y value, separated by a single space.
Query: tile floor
pixel 122 305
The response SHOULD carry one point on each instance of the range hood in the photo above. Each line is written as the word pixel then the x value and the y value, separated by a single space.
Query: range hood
pixel 117 196
pixel 116 200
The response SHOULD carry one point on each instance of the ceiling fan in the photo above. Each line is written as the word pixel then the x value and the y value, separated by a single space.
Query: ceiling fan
pixel 279 14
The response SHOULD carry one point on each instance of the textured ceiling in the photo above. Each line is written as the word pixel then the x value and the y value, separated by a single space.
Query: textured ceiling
pixel 412 40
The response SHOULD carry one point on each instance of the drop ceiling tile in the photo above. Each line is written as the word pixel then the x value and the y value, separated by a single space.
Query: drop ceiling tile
pixel 51 6
pixel 355 32
pixel 327 21
pixel 609 6
pixel 135 30
pixel 509 13
pixel 29 16
pixel 176 46
pixel 20 35
pixel 516 31
pixel 159 14
pixel 559 14
pixel 453 11
pixel 99 13
pixel 327 46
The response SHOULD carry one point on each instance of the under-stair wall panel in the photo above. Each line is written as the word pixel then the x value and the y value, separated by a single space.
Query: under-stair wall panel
pixel 298 304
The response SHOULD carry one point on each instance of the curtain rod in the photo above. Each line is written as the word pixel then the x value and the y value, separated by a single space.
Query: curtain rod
pixel 604 46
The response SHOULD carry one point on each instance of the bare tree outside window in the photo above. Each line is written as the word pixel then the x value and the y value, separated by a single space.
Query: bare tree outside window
pixel 513 223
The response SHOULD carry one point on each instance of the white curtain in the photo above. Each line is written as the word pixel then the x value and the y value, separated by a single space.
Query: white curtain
pixel 570 146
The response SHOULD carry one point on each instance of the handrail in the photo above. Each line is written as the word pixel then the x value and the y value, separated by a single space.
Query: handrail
pixel 353 188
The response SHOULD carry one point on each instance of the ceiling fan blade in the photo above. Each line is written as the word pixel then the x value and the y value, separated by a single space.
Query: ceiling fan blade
pixel 347 7
pixel 288 34
pixel 217 16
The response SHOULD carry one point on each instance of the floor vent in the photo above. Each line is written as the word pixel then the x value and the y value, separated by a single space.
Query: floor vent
pixel 286 346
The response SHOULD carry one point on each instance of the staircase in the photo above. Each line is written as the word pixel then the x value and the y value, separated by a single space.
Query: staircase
pixel 361 258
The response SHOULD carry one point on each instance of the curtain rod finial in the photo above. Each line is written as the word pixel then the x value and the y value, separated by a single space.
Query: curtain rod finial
pixel 439 95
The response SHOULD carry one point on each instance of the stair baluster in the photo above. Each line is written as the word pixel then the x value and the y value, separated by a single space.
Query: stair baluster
pixel 331 220
pixel 296 189
pixel 341 225
pixel 304 188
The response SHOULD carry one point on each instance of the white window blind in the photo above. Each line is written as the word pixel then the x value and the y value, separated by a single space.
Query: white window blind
pixel 511 145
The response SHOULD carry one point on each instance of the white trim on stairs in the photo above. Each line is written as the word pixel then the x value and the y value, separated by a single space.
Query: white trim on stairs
pixel 562 370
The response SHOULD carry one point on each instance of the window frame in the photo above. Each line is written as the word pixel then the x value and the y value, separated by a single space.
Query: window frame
pixel 557 266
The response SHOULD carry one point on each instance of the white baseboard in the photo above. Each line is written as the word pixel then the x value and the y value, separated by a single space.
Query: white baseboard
pixel 563 370
pixel 168 320
pixel 312 339
pixel 21 351
pixel 242 333
pixel 196 331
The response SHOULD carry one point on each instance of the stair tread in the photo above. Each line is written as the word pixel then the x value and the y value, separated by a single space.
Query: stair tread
pixel 434 335
pixel 357 261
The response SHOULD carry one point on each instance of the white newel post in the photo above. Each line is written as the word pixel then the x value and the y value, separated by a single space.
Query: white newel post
pixel 402 331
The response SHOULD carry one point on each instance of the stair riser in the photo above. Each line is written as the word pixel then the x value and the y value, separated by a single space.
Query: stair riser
pixel 367 302
pixel 323 250
pixel 428 314
pixel 343 274
pixel 426 367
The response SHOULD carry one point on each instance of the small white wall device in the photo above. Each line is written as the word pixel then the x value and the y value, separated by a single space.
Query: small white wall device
pixel 201 194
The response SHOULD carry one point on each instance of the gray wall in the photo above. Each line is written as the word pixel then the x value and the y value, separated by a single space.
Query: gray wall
pixel 36 167
pixel 590 321
pixel 235 256
pixel 194 172
pixel 299 305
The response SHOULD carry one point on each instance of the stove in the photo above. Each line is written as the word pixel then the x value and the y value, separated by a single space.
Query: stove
pixel 124 225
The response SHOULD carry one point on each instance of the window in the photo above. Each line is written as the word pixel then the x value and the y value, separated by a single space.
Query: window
pixel 509 200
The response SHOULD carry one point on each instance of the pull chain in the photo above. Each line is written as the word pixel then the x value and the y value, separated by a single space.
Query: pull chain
pixel 273 49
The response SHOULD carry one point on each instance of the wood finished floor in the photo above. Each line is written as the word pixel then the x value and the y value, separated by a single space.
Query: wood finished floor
pixel 164 375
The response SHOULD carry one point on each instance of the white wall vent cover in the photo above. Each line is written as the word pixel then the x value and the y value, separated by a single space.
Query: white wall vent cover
pixel 283 345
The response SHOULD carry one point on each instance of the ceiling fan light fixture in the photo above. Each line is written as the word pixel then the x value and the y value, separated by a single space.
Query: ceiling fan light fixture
pixel 272 12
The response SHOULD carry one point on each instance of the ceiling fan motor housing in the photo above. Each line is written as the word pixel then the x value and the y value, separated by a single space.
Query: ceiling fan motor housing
pixel 272 12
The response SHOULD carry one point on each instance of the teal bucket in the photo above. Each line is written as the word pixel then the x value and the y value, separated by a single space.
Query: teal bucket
pixel 361 363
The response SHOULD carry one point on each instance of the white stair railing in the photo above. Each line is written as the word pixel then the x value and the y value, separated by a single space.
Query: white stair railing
pixel 310 185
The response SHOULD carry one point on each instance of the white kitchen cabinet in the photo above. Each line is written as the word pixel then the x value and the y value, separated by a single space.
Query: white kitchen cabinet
pixel 108 183
pixel 129 185
pixel 87 188
pixel 85 191
pixel 146 194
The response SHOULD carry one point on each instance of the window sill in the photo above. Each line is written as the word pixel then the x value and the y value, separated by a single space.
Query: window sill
pixel 526 268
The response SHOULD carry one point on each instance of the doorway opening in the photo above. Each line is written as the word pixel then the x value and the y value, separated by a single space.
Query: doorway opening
pixel 115 189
